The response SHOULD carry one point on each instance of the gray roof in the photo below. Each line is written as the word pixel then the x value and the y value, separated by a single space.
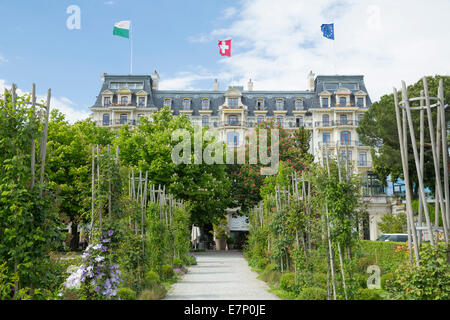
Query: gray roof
pixel 156 98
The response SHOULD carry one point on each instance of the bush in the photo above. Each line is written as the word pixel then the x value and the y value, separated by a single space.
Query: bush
pixel 361 280
pixel 167 272
pixel 368 294
pixel 320 280
pixel 313 293
pixel 157 292
pixel 177 263
pixel 271 275
pixel 385 278
pixel 383 253
pixel 287 282
pixel 126 294
pixel 151 279
pixel 190 260
pixel 365 262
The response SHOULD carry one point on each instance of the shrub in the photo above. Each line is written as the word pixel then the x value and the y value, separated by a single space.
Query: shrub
pixel 385 279
pixel 287 282
pixel 126 294
pixel 320 280
pixel 177 263
pixel 383 253
pixel 157 292
pixel 361 280
pixel 190 260
pixel 271 275
pixel 151 279
pixel 313 293
pixel 365 262
pixel 368 294
pixel 167 272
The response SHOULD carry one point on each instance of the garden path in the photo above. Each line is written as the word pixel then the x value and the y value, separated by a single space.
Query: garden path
pixel 220 275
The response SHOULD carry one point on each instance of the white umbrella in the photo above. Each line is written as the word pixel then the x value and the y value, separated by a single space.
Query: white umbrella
pixel 195 235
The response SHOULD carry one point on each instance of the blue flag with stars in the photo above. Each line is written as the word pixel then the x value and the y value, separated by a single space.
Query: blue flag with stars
pixel 328 30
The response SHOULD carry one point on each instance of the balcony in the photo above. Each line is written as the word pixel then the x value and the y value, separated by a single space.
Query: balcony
pixel 116 122
pixel 233 124
pixel 346 123
pixel 341 143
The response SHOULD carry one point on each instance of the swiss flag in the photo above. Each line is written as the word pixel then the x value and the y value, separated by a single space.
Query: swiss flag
pixel 225 47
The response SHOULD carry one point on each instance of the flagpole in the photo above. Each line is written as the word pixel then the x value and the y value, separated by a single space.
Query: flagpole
pixel 131 49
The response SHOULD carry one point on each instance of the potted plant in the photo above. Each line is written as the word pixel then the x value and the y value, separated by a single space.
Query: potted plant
pixel 231 242
pixel 220 233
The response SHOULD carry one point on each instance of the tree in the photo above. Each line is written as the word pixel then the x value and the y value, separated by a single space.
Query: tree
pixel 393 223
pixel 69 166
pixel 247 179
pixel 378 129
pixel 149 146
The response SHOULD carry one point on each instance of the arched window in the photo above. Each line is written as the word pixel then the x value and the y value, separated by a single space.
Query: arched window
pixel 346 138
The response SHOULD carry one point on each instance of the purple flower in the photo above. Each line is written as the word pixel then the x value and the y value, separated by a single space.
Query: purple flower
pixel 97 289
pixel 110 233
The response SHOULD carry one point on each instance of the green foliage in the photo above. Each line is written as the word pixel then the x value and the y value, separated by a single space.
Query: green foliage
pixel 126 294
pixel 157 292
pixel 287 282
pixel 271 275
pixel 378 129
pixel 393 223
pixel 220 229
pixel 313 293
pixel 177 262
pixel 167 272
pixel 382 253
pixel 428 281
pixel 385 280
pixel 368 294
pixel 190 260
pixel 152 278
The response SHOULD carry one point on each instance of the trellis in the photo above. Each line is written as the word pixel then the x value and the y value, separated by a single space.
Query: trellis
pixel 439 146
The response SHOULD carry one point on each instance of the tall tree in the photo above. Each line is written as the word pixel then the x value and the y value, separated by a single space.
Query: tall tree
pixel 378 129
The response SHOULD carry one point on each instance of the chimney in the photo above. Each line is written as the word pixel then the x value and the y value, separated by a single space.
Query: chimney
pixel 310 85
pixel 155 78
pixel 250 85
pixel 216 85
pixel 103 78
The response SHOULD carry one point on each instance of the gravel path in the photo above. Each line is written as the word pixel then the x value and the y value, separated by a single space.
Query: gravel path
pixel 220 275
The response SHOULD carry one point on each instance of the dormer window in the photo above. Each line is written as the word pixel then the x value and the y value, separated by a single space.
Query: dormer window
pixel 124 100
pixel 342 101
pixel 233 102
pixel 361 99
pixel 360 102
pixel 107 102
pixel 350 86
pixel 260 104
pixel 325 102
pixel 299 104
pixel 168 102
pixel 205 104
pixel 279 104
pixel 141 102
pixel 186 104
pixel 331 86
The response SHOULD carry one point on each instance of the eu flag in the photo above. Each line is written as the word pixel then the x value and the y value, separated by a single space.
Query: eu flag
pixel 328 30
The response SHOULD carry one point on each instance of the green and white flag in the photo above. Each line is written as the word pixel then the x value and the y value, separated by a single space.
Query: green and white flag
pixel 122 29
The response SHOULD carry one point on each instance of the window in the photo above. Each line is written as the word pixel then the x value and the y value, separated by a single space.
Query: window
pixel 346 157
pixel 350 86
pixel 299 104
pixel 233 102
pixel 346 137
pixel 326 138
pixel 168 102
pixel 331 86
pixel 260 104
pixel 205 104
pixel 106 119
pixel 363 159
pixel 343 119
pixel 141 101
pixel 324 102
pixel 123 119
pixel 124 101
pixel 107 101
pixel 342 101
pixel 360 102
pixel 299 122
pixel 279 104
pixel 260 119
pixel 232 139
pixel 233 120
pixel 326 120
pixel 186 104
pixel 205 120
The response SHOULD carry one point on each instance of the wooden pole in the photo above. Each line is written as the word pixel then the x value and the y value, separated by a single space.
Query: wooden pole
pixel 33 141
pixel 43 147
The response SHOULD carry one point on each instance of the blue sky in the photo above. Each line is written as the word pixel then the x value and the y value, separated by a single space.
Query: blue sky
pixel 276 43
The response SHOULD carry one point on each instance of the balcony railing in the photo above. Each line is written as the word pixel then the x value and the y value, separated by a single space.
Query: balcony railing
pixel 341 143
pixel 117 122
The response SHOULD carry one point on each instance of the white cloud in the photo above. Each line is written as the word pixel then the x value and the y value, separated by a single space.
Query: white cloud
pixel 3 59
pixel 109 3
pixel 63 104
pixel 229 12
pixel 277 43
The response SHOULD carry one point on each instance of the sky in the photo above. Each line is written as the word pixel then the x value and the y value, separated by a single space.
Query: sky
pixel 276 43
